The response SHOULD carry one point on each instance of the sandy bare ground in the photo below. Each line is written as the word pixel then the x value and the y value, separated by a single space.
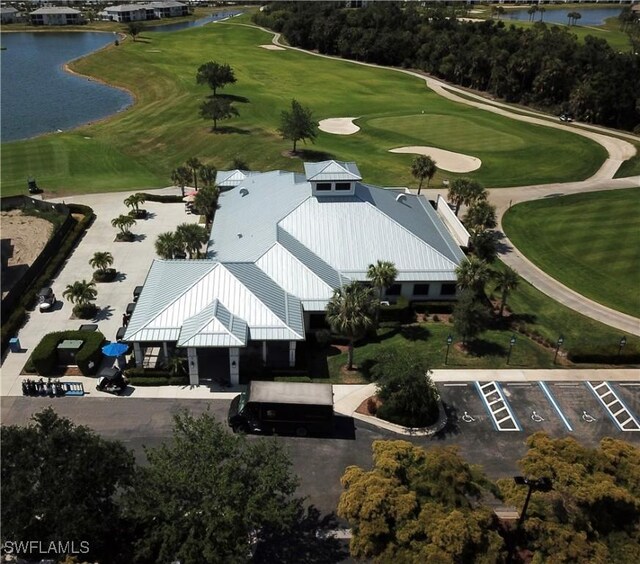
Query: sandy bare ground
pixel 339 126
pixel 271 47
pixel 445 160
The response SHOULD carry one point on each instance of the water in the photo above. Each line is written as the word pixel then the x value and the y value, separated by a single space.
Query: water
pixel 590 16
pixel 38 96
pixel 196 23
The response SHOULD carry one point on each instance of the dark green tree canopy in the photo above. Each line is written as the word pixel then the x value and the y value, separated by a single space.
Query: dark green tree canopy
pixel 217 109
pixel 298 124
pixel 215 75
pixel 471 315
pixel 61 481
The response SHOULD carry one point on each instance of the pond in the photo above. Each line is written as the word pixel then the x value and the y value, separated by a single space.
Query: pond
pixel 195 23
pixel 38 96
pixel 589 16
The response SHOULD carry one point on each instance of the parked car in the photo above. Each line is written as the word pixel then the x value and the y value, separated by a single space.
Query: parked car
pixel 566 117
pixel 46 299
pixel 112 381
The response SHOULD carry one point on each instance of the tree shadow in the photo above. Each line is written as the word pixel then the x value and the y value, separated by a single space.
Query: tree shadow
pixel 480 348
pixel 104 313
pixel 232 98
pixel 139 237
pixel 380 337
pixel 120 277
pixel 415 332
pixel 150 215
pixel 523 318
pixel 452 427
pixel 141 39
pixel 313 155
pixel 223 130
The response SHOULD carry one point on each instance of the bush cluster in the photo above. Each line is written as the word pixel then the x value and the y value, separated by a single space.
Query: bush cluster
pixel 16 318
pixel 601 354
pixel 400 311
pixel 164 199
pixel 152 377
pixel 45 357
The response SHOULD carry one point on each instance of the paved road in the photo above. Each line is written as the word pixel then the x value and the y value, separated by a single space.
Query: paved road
pixel 618 149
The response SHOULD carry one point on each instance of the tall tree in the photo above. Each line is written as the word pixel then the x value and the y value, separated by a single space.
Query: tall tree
pixel 419 506
pixel 181 177
pixel 61 481
pixel 382 274
pixel 471 316
pixel 484 245
pixel 481 215
pixel 195 165
pixel 135 29
pixel 507 280
pixel 217 109
pixel 212 496
pixel 215 75
pixel 205 202
pixel 208 174
pixel 473 274
pixel 351 312
pixel 298 124
pixel 168 245
pixel 423 166
pixel 193 237
pixel 465 191
pixel 101 260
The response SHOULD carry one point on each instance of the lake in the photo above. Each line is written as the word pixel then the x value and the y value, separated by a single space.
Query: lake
pixel 595 16
pixel 38 96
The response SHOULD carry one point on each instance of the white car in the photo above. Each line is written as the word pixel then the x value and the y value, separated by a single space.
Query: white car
pixel 46 299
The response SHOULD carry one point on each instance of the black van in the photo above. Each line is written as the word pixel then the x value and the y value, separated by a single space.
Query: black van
pixel 283 407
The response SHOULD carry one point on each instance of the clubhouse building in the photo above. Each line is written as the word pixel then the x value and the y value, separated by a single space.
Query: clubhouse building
pixel 280 244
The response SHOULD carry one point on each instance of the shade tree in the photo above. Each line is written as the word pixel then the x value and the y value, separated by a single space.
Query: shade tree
pixel 181 177
pixel 298 124
pixel 217 109
pixel 215 75
pixel 471 315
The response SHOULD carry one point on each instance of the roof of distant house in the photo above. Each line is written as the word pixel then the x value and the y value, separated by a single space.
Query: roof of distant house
pixel 8 10
pixel 56 10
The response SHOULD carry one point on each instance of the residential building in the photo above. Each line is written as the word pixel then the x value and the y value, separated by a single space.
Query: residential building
pixel 56 15
pixel 280 244
pixel 9 15
pixel 126 13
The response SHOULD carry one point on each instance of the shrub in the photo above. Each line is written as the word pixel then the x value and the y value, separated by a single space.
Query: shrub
pixel 433 307
pixel 323 337
pixel 126 237
pixel 108 275
pixel 165 199
pixel 372 406
pixel 138 214
pixel 153 377
pixel 602 354
pixel 85 311
pixel 400 311
pixel 44 357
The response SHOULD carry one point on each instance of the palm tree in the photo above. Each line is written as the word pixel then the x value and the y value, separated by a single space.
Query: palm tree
pixel 193 236
pixel 351 312
pixel 507 281
pixel 532 11
pixel 542 10
pixel 124 223
pixel 135 201
pixel 473 274
pixel 195 165
pixel 465 191
pixel 480 216
pixel 101 261
pixel 382 275
pixel 423 167
pixel 181 176
pixel 208 174
pixel 205 202
pixel 168 245
pixel 81 292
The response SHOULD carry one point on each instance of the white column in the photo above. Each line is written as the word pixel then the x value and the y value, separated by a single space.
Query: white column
pixel 264 352
pixel 292 354
pixel 192 356
pixel 137 352
pixel 234 366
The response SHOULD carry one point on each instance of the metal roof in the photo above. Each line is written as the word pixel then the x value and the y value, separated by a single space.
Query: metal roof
pixel 56 10
pixel 331 170
pixel 231 178
pixel 214 326
pixel 126 8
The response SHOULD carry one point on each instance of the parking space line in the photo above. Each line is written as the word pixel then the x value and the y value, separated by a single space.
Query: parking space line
pixel 629 422
pixel 555 405
pixel 507 423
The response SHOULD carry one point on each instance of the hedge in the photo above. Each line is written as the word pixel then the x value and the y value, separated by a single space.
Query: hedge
pixel 602 355
pixel 12 324
pixel 433 307
pixel 151 377
pixel 45 357
pixel 166 199
pixel 400 311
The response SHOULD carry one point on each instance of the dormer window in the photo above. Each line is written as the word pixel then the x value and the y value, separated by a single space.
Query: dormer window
pixel 323 186
pixel 343 185
pixel 332 178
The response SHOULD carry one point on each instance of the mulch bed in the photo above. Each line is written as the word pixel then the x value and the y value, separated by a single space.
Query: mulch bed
pixel 363 408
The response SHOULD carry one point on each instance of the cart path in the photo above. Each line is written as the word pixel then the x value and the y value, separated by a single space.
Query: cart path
pixel 618 149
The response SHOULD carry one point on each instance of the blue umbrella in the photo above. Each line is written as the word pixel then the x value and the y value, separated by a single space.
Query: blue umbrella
pixel 115 349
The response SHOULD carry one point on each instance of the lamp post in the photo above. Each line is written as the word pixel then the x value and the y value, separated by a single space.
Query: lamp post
pixel 449 341
pixel 623 342
pixel 558 345
pixel 538 485
pixel 512 342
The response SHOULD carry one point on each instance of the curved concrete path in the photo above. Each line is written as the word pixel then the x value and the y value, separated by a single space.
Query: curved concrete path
pixel 618 149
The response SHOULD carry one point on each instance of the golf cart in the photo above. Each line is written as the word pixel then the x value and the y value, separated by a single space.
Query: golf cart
pixel 32 186
pixel 46 299
pixel 112 381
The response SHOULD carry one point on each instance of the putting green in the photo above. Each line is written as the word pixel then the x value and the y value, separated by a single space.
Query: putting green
pixel 138 148
pixel 589 242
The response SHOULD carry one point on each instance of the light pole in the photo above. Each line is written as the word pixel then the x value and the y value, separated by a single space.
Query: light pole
pixel 449 341
pixel 512 342
pixel 558 345
pixel 539 485
pixel 623 342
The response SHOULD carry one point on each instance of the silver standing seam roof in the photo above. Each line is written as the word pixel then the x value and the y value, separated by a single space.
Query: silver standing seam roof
pixel 275 249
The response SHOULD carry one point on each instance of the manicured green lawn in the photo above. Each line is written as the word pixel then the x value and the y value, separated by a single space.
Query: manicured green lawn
pixel 630 167
pixel 138 148
pixel 589 242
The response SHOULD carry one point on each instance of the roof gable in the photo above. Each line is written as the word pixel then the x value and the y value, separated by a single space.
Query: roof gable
pixel 331 170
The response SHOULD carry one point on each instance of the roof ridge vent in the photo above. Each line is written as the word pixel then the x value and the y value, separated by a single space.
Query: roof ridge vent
pixel 401 197
pixel 244 192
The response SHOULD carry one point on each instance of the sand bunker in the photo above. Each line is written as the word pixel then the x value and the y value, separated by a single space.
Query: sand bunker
pixel 445 160
pixel 272 47
pixel 339 126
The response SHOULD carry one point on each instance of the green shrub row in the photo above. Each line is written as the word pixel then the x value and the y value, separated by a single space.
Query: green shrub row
pixel 15 320
pixel 166 199
pixel 400 311
pixel 44 357
pixel 433 307
pixel 602 355
pixel 150 377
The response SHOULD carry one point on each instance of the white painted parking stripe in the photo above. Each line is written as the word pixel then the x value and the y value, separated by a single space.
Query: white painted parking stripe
pixel 630 424
pixel 547 392
pixel 507 423
pixel 463 384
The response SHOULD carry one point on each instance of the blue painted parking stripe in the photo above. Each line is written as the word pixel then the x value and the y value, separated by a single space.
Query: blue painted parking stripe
pixel 551 399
